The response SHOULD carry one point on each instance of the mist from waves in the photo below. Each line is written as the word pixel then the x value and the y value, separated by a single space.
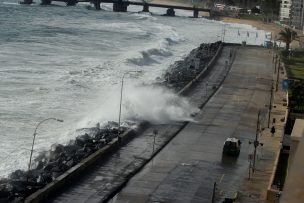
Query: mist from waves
pixel 155 104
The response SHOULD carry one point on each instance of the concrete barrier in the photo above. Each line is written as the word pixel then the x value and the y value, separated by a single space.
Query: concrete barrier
pixel 74 172
pixel 272 194
pixel 202 73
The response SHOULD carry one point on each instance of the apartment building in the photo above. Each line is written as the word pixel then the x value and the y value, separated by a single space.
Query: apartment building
pixel 297 14
pixel 285 11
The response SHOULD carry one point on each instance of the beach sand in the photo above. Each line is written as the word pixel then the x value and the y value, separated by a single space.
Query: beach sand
pixel 267 27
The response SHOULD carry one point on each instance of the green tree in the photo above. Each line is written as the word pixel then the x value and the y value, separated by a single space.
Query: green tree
pixel 297 96
pixel 287 35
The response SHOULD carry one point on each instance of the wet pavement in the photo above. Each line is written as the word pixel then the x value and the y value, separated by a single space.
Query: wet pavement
pixel 186 169
pixel 254 189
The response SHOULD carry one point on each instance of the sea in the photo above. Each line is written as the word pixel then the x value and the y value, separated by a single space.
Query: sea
pixel 69 63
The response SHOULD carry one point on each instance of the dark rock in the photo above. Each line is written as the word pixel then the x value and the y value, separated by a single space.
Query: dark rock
pixel 50 166
pixel 56 174
pixel 182 72
pixel 44 178
pixel 5 191
pixel 69 163
pixel 18 175
pixel 170 12
pixel 83 139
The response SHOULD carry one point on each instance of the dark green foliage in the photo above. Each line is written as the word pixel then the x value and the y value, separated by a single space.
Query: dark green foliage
pixel 287 35
pixel 281 171
pixel 296 97
pixel 255 10
pixel 271 6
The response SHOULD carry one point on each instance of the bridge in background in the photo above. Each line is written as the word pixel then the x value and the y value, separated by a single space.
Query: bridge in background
pixel 122 6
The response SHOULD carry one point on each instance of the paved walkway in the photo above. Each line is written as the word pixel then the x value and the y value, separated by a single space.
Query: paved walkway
pixel 109 174
pixel 255 188
pixel 186 169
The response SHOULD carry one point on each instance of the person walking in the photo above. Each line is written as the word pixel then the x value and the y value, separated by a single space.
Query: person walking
pixel 272 130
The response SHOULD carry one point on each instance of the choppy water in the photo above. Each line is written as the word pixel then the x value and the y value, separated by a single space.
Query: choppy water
pixel 67 62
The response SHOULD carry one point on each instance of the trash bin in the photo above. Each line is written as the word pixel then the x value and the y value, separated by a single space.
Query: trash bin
pixel 243 43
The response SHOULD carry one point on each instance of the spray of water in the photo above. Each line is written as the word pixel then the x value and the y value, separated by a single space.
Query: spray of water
pixel 153 104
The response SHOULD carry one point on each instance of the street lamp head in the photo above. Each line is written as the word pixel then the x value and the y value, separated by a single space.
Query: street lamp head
pixel 59 120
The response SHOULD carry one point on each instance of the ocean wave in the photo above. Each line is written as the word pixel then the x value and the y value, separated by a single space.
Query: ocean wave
pixel 143 16
pixel 144 60
pixel 78 84
pixel 146 57
pixel 10 3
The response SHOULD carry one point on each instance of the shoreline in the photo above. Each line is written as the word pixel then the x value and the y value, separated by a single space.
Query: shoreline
pixel 268 27
pixel 53 167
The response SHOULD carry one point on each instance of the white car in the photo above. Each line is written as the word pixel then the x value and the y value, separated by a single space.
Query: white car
pixel 232 146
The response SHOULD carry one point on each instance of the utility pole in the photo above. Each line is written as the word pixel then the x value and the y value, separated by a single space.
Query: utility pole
pixel 213 192
pixel 249 169
pixel 275 63
pixel 278 75
pixel 155 132
pixel 256 142
pixel 120 103
pixel 270 104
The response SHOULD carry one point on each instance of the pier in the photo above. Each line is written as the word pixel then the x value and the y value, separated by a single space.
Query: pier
pixel 122 6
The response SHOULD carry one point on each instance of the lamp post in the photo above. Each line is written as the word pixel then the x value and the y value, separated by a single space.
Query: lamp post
pixel 256 142
pixel 223 32
pixel 270 104
pixel 34 136
pixel 120 103
pixel 155 132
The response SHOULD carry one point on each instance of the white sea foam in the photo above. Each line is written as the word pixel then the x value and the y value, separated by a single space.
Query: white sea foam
pixel 154 104
pixel 11 3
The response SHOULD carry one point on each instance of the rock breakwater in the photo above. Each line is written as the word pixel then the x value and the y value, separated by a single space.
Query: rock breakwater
pixel 184 71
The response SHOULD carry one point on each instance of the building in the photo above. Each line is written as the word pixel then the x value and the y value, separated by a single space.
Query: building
pixel 294 187
pixel 297 14
pixel 285 11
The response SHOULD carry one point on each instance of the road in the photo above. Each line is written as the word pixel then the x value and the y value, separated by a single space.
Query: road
pixel 185 170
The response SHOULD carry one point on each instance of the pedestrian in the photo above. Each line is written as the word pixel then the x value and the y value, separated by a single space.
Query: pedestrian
pixel 272 130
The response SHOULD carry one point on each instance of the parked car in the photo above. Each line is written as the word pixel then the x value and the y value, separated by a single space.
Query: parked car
pixel 232 146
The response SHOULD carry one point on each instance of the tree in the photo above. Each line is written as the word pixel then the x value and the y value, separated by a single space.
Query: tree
pixel 287 35
pixel 297 96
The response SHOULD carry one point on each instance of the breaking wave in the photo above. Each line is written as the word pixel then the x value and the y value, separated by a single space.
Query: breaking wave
pixel 153 104
pixel 151 56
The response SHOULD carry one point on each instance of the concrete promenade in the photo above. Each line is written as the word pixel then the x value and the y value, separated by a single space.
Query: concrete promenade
pixel 187 168
pixel 111 173
pixel 255 188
